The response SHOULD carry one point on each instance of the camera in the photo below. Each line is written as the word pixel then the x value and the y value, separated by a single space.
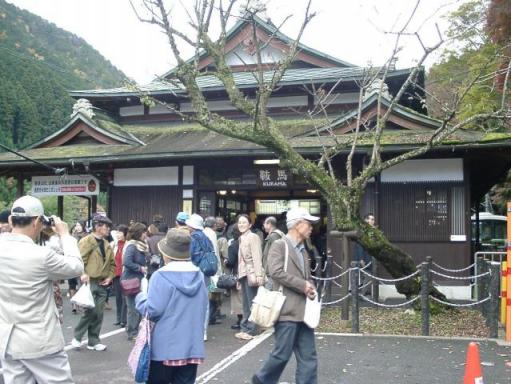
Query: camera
pixel 48 221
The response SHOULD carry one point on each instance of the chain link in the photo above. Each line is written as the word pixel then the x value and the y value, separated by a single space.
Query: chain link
pixel 336 301
pixel 461 305
pixel 390 305
pixel 460 277
pixel 453 270
pixel 333 277
pixel 390 280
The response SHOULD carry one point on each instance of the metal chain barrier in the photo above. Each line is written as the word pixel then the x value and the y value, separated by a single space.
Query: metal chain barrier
pixel 390 305
pixel 460 277
pixel 336 301
pixel 333 277
pixel 365 285
pixel 453 270
pixel 460 305
pixel 390 280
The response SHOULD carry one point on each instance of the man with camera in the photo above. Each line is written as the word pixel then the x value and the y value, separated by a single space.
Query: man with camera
pixel 31 340
pixel 99 262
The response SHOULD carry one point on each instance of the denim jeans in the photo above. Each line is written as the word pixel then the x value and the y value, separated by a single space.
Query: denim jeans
pixel 133 317
pixel 247 293
pixel 291 337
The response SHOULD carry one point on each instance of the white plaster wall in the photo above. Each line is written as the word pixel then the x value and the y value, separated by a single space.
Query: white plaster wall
pixel 130 177
pixel 135 110
pixel 425 170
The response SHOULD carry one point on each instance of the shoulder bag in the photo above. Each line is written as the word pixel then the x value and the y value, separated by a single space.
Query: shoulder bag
pixel 267 304
pixel 130 287
pixel 227 281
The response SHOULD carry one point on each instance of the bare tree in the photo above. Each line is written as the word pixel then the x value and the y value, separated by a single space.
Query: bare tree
pixel 343 196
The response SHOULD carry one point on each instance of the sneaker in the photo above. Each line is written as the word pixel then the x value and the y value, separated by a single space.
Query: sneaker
pixel 97 347
pixel 75 343
pixel 243 336
pixel 205 337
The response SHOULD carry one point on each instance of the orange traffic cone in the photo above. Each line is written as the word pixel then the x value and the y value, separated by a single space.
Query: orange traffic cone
pixel 473 372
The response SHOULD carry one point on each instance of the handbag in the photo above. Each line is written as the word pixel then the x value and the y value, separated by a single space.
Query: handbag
pixel 83 297
pixel 226 281
pixel 267 304
pixel 139 359
pixel 130 287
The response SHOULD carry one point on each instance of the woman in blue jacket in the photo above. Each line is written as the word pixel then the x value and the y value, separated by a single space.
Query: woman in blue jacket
pixel 176 302
pixel 134 263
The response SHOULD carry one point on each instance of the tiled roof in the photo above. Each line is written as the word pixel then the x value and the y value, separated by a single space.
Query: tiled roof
pixel 210 82
pixel 182 142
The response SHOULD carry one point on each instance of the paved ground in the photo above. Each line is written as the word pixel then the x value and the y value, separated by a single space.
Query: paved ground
pixel 343 359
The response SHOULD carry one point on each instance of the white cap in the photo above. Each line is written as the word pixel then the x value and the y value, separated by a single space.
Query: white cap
pixel 195 221
pixel 296 214
pixel 27 206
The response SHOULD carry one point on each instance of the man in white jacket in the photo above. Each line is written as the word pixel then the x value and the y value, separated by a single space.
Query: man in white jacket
pixel 31 340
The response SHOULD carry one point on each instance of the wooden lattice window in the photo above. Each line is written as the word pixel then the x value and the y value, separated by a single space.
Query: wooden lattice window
pixel 422 211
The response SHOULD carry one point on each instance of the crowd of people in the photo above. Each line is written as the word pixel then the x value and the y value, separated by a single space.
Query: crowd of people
pixel 182 265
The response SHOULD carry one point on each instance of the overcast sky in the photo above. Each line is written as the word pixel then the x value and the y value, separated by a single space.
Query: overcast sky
pixel 351 30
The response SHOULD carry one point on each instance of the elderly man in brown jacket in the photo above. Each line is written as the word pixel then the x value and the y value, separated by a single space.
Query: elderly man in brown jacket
pixel 291 333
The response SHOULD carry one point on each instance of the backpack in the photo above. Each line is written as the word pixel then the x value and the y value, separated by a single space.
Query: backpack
pixel 208 263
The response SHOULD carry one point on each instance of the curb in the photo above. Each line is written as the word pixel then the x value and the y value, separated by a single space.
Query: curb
pixel 499 342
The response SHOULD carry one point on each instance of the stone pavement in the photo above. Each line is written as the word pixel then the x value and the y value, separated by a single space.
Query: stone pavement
pixel 352 359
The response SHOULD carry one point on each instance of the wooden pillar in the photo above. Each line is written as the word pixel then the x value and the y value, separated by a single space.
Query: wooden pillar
pixel 94 204
pixel 60 206
pixel 20 189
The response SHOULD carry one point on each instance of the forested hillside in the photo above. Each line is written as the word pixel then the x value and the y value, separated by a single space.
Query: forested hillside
pixel 39 63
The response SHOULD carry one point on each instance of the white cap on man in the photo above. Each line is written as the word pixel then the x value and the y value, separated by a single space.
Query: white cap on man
pixel 27 206
pixel 296 214
pixel 195 221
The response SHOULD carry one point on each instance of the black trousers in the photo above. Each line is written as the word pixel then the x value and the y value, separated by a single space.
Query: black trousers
pixel 161 374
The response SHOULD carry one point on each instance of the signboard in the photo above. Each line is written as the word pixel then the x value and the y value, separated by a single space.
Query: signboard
pixel 67 185
pixel 273 178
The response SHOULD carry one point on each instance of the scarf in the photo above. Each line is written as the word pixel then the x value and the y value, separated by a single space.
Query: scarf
pixel 141 246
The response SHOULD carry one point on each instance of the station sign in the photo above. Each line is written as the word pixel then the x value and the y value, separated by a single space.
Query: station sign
pixel 273 178
pixel 67 185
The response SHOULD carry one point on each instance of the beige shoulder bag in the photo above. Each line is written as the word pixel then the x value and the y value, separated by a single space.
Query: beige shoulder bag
pixel 267 304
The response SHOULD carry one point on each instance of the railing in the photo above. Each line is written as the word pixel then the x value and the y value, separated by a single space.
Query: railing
pixel 487 281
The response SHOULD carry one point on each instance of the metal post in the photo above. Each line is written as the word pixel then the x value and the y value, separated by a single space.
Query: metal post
pixel 345 263
pixel 483 292
pixel 375 292
pixel 493 310
pixel 354 277
pixel 425 278
pixel 478 281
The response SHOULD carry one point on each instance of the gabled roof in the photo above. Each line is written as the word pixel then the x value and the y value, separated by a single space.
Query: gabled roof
pixel 271 30
pixel 101 128
pixel 402 116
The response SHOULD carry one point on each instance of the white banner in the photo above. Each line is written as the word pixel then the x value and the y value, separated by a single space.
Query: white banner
pixel 66 185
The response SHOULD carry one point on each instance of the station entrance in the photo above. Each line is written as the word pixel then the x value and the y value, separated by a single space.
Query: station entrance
pixel 259 205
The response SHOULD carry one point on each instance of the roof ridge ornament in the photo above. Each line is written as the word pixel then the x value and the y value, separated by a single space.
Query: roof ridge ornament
pixel 375 87
pixel 84 107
